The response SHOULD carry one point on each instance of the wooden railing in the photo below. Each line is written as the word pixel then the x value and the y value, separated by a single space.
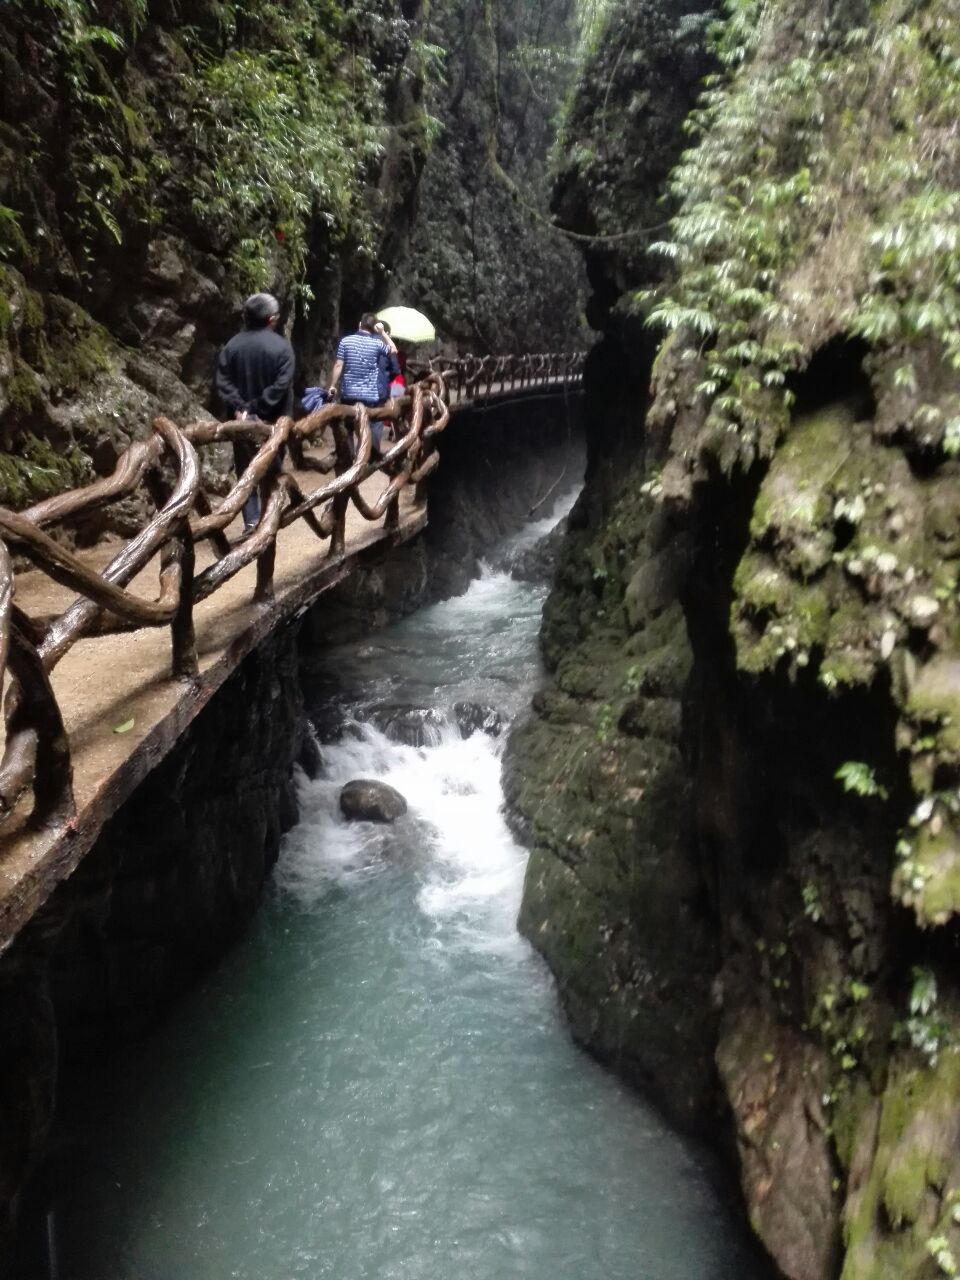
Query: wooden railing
pixel 474 377
pixel 36 750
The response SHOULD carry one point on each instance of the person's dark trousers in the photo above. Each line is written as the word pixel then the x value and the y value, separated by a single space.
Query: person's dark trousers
pixel 244 451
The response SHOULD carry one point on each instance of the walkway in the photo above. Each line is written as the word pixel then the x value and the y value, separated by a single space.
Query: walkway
pixel 121 710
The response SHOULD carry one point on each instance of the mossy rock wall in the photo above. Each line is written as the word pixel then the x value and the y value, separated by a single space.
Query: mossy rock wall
pixel 147 185
pixel 795 463
pixel 484 259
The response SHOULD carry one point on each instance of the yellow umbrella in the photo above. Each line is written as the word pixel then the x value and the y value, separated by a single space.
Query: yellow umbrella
pixel 407 324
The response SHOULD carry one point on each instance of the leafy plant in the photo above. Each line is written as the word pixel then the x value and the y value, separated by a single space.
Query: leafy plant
pixel 605 721
pixel 925 1031
pixel 280 141
pixel 633 679
pixel 859 779
pixel 104 162
pixel 939 1249
pixel 786 149
pixel 812 906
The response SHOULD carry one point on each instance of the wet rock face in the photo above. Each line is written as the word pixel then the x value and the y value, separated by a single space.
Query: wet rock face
pixel 474 717
pixel 28 1072
pixel 367 800
pixel 539 562
pixel 178 872
pixel 310 758
pixel 413 726
pixel 781 624
pixel 788 1168
pixel 596 782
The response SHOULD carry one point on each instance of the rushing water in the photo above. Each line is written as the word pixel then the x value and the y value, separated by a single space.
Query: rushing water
pixel 377 1085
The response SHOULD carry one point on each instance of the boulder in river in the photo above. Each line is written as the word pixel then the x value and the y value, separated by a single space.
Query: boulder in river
pixel 475 717
pixel 310 757
pixel 413 726
pixel 371 801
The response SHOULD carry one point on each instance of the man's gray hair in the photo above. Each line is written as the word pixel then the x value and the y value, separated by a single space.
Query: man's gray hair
pixel 259 309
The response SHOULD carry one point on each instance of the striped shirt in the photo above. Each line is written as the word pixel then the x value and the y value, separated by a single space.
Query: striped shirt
pixel 366 362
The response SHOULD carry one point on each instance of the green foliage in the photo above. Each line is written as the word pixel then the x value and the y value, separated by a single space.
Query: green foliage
pixel 633 679
pixel 614 148
pixel 927 1032
pixel 484 260
pixel 104 167
pixel 788 152
pixel 592 18
pixel 37 471
pixel 11 237
pixel 281 140
pixel 859 779
pixel 939 1249
pixel 812 905
pixel 605 723
pixel 267 134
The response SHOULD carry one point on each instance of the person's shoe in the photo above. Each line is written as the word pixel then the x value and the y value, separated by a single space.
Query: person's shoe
pixel 245 533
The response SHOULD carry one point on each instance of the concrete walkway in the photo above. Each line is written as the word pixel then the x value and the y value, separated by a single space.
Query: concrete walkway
pixel 105 682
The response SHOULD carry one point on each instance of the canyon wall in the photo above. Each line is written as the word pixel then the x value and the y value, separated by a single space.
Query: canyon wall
pixel 485 260
pixel 739 784
pixel 158 165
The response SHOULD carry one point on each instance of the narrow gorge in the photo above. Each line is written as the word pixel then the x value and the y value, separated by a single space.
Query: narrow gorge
pixel 248 1038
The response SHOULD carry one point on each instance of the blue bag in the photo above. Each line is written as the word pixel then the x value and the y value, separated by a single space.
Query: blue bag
pixel 314 398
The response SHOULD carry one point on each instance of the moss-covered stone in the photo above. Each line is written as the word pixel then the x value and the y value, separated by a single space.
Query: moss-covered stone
pixel 804 452
pixel 35 470
pixel 910 1175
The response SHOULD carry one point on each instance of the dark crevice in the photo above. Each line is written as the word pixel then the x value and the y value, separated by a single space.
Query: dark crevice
pixel 835 372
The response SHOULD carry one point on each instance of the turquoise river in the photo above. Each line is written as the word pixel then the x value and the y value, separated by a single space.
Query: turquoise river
pixel 377 1084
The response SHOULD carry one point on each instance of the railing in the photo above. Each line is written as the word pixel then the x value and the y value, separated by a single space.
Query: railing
pixel 474 377
pixel 37 751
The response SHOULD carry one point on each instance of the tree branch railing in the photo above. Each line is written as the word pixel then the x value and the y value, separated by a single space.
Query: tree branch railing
pixel 36 748
pixel 478 377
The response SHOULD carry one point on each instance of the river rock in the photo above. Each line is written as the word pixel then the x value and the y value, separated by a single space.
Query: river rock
pixel 413 726
pixel 371 801
pixel 329 718
pixel 310 757
pixel 474 717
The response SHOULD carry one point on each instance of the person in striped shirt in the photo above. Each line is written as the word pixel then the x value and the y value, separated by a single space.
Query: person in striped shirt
pixel 366 361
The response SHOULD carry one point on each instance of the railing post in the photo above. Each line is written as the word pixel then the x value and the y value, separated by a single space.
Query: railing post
pixel 342 436
pixel 266 562
pixel 181 552
pixel 177 560
pixel 338 538
pixel 37 710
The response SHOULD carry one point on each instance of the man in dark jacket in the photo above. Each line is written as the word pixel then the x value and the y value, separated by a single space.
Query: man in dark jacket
pixel 255 380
